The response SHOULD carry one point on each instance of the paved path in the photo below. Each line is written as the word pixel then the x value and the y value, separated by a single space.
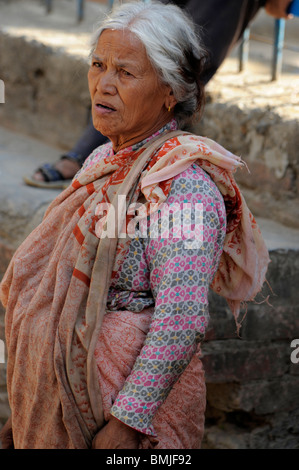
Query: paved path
pixel 21 206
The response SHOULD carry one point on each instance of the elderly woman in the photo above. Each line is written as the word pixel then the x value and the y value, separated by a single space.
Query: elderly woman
pixel 104 321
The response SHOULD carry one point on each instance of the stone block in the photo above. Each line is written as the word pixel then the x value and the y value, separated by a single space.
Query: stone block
pixel 4 407
pixel 279 431
pixel 258 396
pixel 294 369
pixel 221 325
pixel 272 320
pixel 226 436
pixel 4 404
pixel 236 360
pixel 42 84
pixel 282 432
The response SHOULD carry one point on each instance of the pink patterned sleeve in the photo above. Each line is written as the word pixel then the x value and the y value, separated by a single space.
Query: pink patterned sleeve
pixel 179 278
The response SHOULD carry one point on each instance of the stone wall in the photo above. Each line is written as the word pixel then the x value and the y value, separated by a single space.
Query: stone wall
pixel 252 384
pixel 40 85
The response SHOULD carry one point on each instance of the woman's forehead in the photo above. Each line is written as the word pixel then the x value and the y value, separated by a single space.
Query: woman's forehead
pixel 120 42
pixel 123 49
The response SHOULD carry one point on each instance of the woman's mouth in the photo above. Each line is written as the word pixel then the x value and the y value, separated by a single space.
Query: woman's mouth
pixel 103 108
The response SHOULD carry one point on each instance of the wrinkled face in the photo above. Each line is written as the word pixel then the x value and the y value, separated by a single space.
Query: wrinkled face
pixel 128 101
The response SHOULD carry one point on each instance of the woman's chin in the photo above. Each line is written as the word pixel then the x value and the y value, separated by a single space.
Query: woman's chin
pixel 103 128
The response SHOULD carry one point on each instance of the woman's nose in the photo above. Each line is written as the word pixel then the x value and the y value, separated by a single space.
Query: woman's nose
pixel 106 83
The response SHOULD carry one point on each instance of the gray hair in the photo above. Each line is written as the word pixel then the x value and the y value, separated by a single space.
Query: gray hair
pixel 172 45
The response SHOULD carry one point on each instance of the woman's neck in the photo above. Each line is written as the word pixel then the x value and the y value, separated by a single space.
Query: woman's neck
pixel 122 142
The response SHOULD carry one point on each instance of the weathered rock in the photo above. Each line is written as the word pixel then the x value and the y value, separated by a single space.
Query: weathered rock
pixel 258 396
pixel 42 84
pixel 226 437
pixel 272 318
pixel 4 405
pixel 239 360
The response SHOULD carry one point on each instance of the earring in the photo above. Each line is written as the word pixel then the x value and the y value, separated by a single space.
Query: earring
pixel 169 109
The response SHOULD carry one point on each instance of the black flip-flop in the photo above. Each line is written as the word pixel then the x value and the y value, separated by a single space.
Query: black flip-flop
pixel 53 178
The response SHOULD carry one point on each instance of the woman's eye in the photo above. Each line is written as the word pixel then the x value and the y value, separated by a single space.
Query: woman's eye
pixel 96 64
pixel 125 73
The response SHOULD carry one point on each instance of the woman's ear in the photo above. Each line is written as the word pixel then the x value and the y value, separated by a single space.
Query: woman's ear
pixel 170 100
